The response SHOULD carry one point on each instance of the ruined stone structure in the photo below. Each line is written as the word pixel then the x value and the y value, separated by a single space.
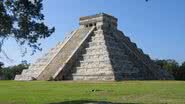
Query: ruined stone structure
pixel 97 50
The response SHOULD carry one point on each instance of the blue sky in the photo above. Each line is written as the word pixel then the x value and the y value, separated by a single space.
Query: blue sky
pixel 157 26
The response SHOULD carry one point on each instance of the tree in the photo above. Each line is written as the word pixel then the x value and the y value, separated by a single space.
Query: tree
pixel 170 65
pixel 183 64
pixel 1 72
pixel 161 63
pixel 182 71
pixel 10 72
pixel 23 20
pixel 1 67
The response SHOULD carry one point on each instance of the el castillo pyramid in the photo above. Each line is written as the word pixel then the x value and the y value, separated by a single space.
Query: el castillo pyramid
pixel 97 50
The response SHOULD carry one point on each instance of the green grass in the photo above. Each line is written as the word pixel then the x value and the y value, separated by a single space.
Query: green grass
pixel 134 92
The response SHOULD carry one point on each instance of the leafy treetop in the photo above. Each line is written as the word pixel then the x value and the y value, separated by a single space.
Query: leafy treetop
pixel 23 21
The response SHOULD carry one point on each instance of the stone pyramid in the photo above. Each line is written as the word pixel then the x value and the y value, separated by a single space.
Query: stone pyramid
pixel 97 50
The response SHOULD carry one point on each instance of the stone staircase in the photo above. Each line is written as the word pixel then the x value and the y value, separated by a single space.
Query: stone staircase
pixel 94 62
pixel 36 68
pixel 59 61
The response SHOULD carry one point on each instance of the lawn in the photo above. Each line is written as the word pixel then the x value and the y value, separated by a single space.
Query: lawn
pixel 69 92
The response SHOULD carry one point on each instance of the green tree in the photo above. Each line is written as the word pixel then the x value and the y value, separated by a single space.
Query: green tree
pixel 10 72
pixel 161 63
pixel 23 20
pixel 1 72
pixel 170 65
pixel 1 67
pixel 182 71
pixel 183 64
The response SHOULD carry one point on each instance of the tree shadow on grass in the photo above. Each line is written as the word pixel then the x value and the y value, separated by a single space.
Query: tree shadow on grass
pixel 88 102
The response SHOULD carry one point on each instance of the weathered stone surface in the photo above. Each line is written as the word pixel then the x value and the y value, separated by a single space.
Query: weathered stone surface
pixel 95 51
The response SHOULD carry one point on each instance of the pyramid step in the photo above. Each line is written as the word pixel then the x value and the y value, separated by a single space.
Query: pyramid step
pixel 90 64
pixel 109 38
pixel 92 54
pixel 48 55
pixel 30 71
pixel 40 64
pixel 92 73
pixel 36 68
pixel 134 45
pixel 116 49
pixel 140 50
pixel 95 57
pixel 23 78
pixel 39 59
pixel 93 68
pixel 33 65
pixel 96 50
pixel 99 61
pixel 124 62
pixel 52 52
pixel 97 38
pixel 103 43
pixel 119 57
pixel 127 39
pixel 24 71
pixel 45 60
pixel 147 56
pixel 98 43
pixel 96 47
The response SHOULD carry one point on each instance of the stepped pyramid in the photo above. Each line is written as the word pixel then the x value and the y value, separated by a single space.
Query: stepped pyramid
pixel 97 50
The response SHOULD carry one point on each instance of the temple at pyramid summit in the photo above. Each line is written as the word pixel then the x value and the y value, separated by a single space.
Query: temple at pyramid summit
pixel 97 50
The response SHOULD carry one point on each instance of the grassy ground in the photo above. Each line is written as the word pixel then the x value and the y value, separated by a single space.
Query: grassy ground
pixel 126 92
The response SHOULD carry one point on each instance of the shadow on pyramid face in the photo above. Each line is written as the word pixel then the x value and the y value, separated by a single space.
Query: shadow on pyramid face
pixel 89 102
